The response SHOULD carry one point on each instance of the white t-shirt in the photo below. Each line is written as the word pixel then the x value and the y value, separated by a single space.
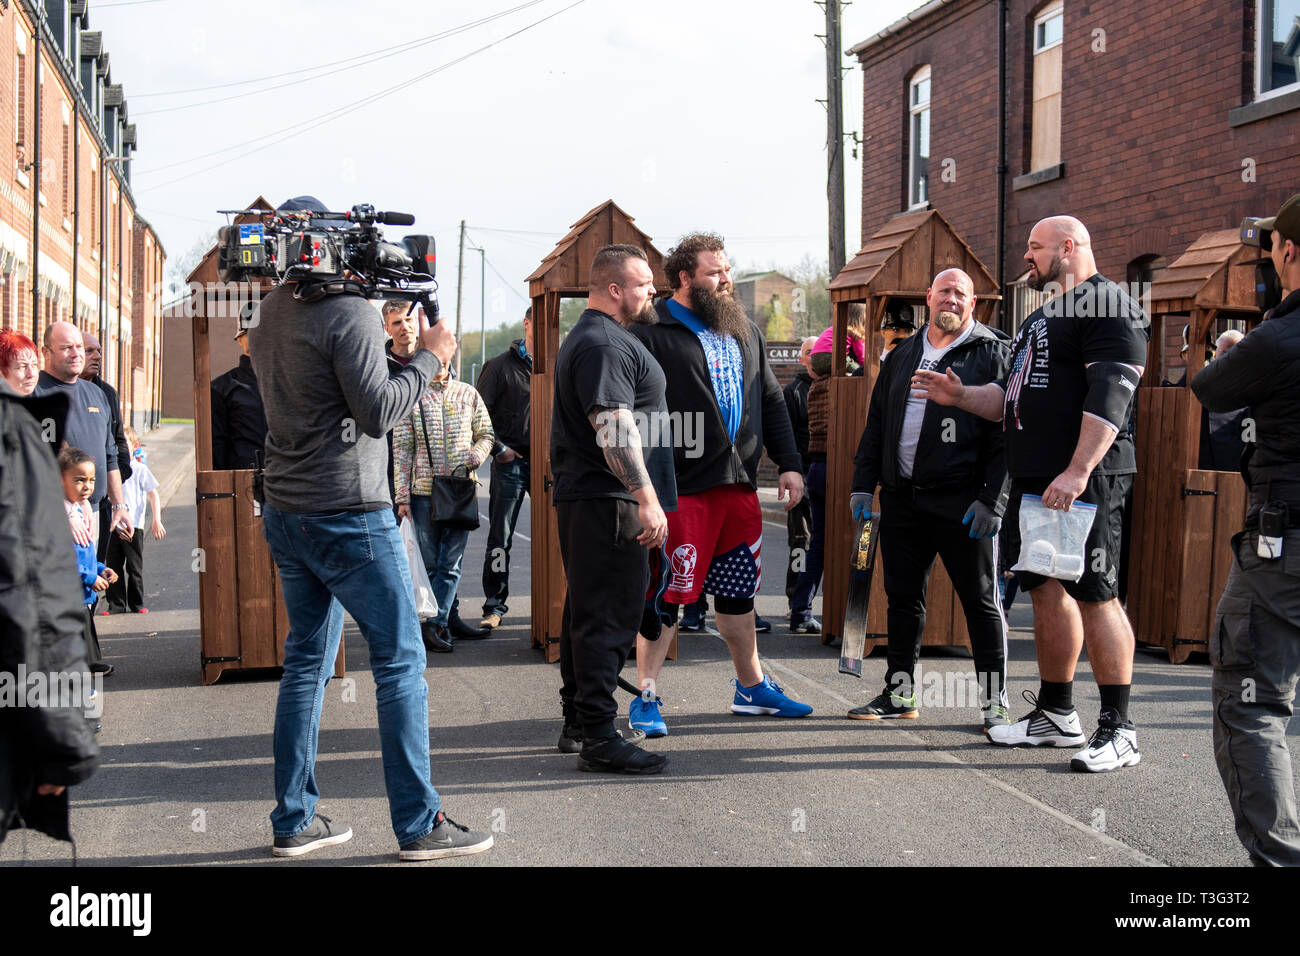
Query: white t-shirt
pixel 135 492
pixel 914 416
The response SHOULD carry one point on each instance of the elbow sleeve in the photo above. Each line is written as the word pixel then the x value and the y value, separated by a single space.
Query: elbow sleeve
pixel 1111 387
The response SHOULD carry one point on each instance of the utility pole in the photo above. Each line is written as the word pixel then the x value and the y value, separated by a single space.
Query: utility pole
pixel 834 136
pixel 460 284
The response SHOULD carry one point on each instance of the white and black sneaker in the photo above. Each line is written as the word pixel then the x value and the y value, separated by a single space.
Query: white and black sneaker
pixel 1039 728
pixel 1112 746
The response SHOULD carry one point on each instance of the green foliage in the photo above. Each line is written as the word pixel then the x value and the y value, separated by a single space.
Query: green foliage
pixel 811 308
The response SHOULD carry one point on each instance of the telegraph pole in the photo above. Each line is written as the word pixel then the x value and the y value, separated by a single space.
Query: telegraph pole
pixel 460 284
pixel 834 136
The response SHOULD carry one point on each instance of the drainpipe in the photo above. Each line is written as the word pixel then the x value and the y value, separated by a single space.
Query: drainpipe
pixel 999 266
pixel 36 175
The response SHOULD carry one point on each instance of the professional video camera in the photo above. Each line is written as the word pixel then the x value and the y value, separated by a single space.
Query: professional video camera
pixel 328 253
pixel 1268 287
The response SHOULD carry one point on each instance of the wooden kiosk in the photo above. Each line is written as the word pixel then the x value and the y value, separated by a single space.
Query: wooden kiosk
pixel 242 616
pixel 1183 516
pixel 563 274
pixel 893 269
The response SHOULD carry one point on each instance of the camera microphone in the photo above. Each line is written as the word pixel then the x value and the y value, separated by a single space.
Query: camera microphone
pixel 396 218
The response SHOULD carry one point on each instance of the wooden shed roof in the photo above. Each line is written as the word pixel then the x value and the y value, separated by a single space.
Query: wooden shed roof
pixel 905 254
pixel 568 266
pixel 1214 273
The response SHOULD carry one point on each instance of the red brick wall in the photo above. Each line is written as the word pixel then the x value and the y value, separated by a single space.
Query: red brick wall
pixel 1150 160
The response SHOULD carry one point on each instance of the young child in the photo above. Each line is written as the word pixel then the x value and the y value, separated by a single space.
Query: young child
pixel 78 471
pixel 126 558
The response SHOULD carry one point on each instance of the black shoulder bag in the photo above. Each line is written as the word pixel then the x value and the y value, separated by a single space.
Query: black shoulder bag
pixel 453 499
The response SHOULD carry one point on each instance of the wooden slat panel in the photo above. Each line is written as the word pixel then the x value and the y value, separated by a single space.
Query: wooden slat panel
pixel 1229 516
pixel 256 605
pixel 1162 517
pixel 1197 567
pixel 1139 547
pixel 916 257
pixel 1173 516
pixel 218 588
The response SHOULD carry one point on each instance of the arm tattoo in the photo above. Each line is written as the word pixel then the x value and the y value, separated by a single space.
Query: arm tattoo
pixel 618 437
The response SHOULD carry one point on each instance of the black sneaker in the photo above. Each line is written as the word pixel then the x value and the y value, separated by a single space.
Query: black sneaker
pixel 99 667
pixel 322 832
pixel 446 839
pixel 762 626
pixel 435 637
pixel 466 632
pixel 691 624
pixel 887 706
pixel 570 741
pixel 616 755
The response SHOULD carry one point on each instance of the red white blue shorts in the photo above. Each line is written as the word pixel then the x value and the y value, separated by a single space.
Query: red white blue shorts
pixel 715 540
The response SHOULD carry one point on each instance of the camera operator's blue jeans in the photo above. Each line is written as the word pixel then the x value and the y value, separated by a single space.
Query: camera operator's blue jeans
pixel 329 562
pixel 442 550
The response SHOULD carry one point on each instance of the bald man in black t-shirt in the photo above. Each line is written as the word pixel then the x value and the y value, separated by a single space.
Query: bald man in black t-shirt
pixel 1066 408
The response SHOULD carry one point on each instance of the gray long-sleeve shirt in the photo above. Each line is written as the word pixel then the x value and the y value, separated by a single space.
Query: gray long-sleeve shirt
pixel 329 401
pixel 89 426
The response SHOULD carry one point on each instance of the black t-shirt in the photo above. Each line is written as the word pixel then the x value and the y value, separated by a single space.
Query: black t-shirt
pixel 1096 321
pixel 602 365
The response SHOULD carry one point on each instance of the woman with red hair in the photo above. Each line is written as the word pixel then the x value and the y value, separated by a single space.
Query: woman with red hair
pixel 19 363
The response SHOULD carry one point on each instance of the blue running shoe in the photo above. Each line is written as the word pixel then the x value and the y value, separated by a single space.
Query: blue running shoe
pixel 644 716
pixel 766 698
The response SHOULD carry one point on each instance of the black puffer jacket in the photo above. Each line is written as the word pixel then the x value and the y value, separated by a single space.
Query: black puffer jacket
pixel 1263 371
pixel 41 619
pixel 713 460
pixel 949 473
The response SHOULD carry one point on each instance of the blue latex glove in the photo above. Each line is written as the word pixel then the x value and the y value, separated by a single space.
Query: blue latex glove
pixel 860 505
pixel 983 522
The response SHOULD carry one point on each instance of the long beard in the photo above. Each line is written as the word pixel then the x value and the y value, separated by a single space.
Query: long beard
pixel 948 322
pixel 721 313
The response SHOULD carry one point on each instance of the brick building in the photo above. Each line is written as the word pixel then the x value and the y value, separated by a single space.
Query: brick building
pixel 65 151
pixel 766 296
pixel 1152 125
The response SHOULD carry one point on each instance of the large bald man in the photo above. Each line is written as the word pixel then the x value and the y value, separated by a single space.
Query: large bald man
pixel 943 489
pixel 1066 410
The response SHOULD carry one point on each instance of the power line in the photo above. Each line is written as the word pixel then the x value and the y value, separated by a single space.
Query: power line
pixel 497 271
pixel 364 59
pixel 323 118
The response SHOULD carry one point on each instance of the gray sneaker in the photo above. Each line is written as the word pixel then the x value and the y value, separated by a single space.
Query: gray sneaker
pixel 446 839
pixel 322 832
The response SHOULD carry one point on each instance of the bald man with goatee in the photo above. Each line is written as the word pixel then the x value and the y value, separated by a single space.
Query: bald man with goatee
pixel 943 484
pixel 1066 408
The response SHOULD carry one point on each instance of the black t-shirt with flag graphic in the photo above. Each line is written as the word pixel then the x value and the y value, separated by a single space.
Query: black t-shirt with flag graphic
pixel 1096 321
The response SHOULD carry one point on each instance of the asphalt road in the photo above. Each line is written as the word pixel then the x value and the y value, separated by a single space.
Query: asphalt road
pixel 187 773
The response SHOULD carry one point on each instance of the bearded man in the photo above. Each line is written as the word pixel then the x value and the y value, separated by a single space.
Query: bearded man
pixel 722 391
pixel 944 487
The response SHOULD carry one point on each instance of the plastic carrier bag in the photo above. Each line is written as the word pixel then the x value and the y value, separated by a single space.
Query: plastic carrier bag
pixel 1052 541
pixel 426 606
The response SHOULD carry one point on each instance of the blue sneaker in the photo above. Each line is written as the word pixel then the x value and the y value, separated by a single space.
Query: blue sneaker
pixel 644 716
pixel 766 698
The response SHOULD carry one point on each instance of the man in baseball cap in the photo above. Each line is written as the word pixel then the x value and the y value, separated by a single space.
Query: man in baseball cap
pixel 1285 225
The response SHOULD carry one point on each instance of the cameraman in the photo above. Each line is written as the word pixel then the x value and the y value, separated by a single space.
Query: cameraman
pixel 328 519
pixel 1255 644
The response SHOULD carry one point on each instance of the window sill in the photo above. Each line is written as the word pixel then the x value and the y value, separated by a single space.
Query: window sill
pixel 1045 175
pixel 21 179
pixel 1262 109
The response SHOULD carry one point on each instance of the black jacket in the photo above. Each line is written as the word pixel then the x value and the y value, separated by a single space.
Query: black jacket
pixel 119 436
pixel 506 384
pixel 796 403
pixel 1263 372
pixel 238 418
pixel 949 474
pixel 713 460
pixel 41 621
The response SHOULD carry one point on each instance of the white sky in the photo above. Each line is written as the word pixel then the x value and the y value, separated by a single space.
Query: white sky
pixel 687 113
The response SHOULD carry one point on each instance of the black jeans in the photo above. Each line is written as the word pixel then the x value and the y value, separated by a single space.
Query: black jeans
pixel 127 559
pixel 607 573
pixel 910 538
pixel 505 496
